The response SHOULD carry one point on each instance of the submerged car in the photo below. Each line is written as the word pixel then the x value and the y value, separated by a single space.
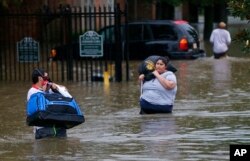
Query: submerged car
pixel 176 39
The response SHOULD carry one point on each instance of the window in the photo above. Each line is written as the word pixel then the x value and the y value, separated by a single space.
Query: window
pixel 191 31
pixel 108 34
pixel 163 32
pixel 135 32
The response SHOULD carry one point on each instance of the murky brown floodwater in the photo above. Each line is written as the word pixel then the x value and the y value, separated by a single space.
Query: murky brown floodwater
pixel 211 112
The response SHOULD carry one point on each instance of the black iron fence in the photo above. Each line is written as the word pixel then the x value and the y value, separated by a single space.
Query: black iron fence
pixel 35 40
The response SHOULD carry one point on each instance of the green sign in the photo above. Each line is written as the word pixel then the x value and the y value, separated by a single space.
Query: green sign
pixel 91 44
pixel 28 50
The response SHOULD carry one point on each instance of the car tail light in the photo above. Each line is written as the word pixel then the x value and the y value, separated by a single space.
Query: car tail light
pixel 179 22
pixel 183 45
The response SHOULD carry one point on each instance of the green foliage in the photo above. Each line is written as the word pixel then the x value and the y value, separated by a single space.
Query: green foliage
pixel 201 2
pixel 7 3
pixel 243 37
pixel 241 8
pixel 206 2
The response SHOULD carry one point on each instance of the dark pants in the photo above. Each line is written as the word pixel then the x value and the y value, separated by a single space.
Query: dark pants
pixel 148 108
pixel 50 132
pixel 219 55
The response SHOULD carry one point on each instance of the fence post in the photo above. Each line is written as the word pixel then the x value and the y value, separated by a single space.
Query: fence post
pixel 126 41
pixel 118 58
pixel 68 28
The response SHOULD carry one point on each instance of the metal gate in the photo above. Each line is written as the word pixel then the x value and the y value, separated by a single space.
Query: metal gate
pixel 29 41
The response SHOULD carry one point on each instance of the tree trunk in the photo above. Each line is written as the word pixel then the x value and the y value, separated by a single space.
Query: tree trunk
pixel 208 24
pixel 220 10
pixel 164 11
pixel 193 13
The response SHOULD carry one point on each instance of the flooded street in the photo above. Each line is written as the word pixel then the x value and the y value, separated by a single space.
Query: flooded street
pixel 212 111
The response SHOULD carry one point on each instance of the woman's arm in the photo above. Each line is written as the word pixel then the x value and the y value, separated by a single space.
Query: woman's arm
pixel 141 77
pixel 168 84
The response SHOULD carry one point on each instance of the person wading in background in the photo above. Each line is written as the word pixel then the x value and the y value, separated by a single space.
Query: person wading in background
pixel 220 40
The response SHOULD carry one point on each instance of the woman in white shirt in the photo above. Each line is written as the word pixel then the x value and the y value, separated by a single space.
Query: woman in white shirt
pixel 158 93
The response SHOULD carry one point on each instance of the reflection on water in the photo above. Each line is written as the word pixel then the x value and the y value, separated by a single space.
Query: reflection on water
pixel 221 69
pixel 211 112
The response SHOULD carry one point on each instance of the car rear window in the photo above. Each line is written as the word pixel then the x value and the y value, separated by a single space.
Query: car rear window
pixel 192 32
pixel 108 34
pixel 163 32
pixel 135 32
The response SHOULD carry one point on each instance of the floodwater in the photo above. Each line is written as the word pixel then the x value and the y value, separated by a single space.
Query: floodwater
pixel 211 112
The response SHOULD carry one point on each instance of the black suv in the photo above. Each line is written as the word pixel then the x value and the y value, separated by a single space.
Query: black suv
pixel 174 38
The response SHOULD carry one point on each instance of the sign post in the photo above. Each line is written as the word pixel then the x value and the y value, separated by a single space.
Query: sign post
pixel 28 50
pixel 91 44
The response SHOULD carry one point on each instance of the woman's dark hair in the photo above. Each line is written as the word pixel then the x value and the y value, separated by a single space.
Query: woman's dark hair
pixel 36 73
pixel 164 59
